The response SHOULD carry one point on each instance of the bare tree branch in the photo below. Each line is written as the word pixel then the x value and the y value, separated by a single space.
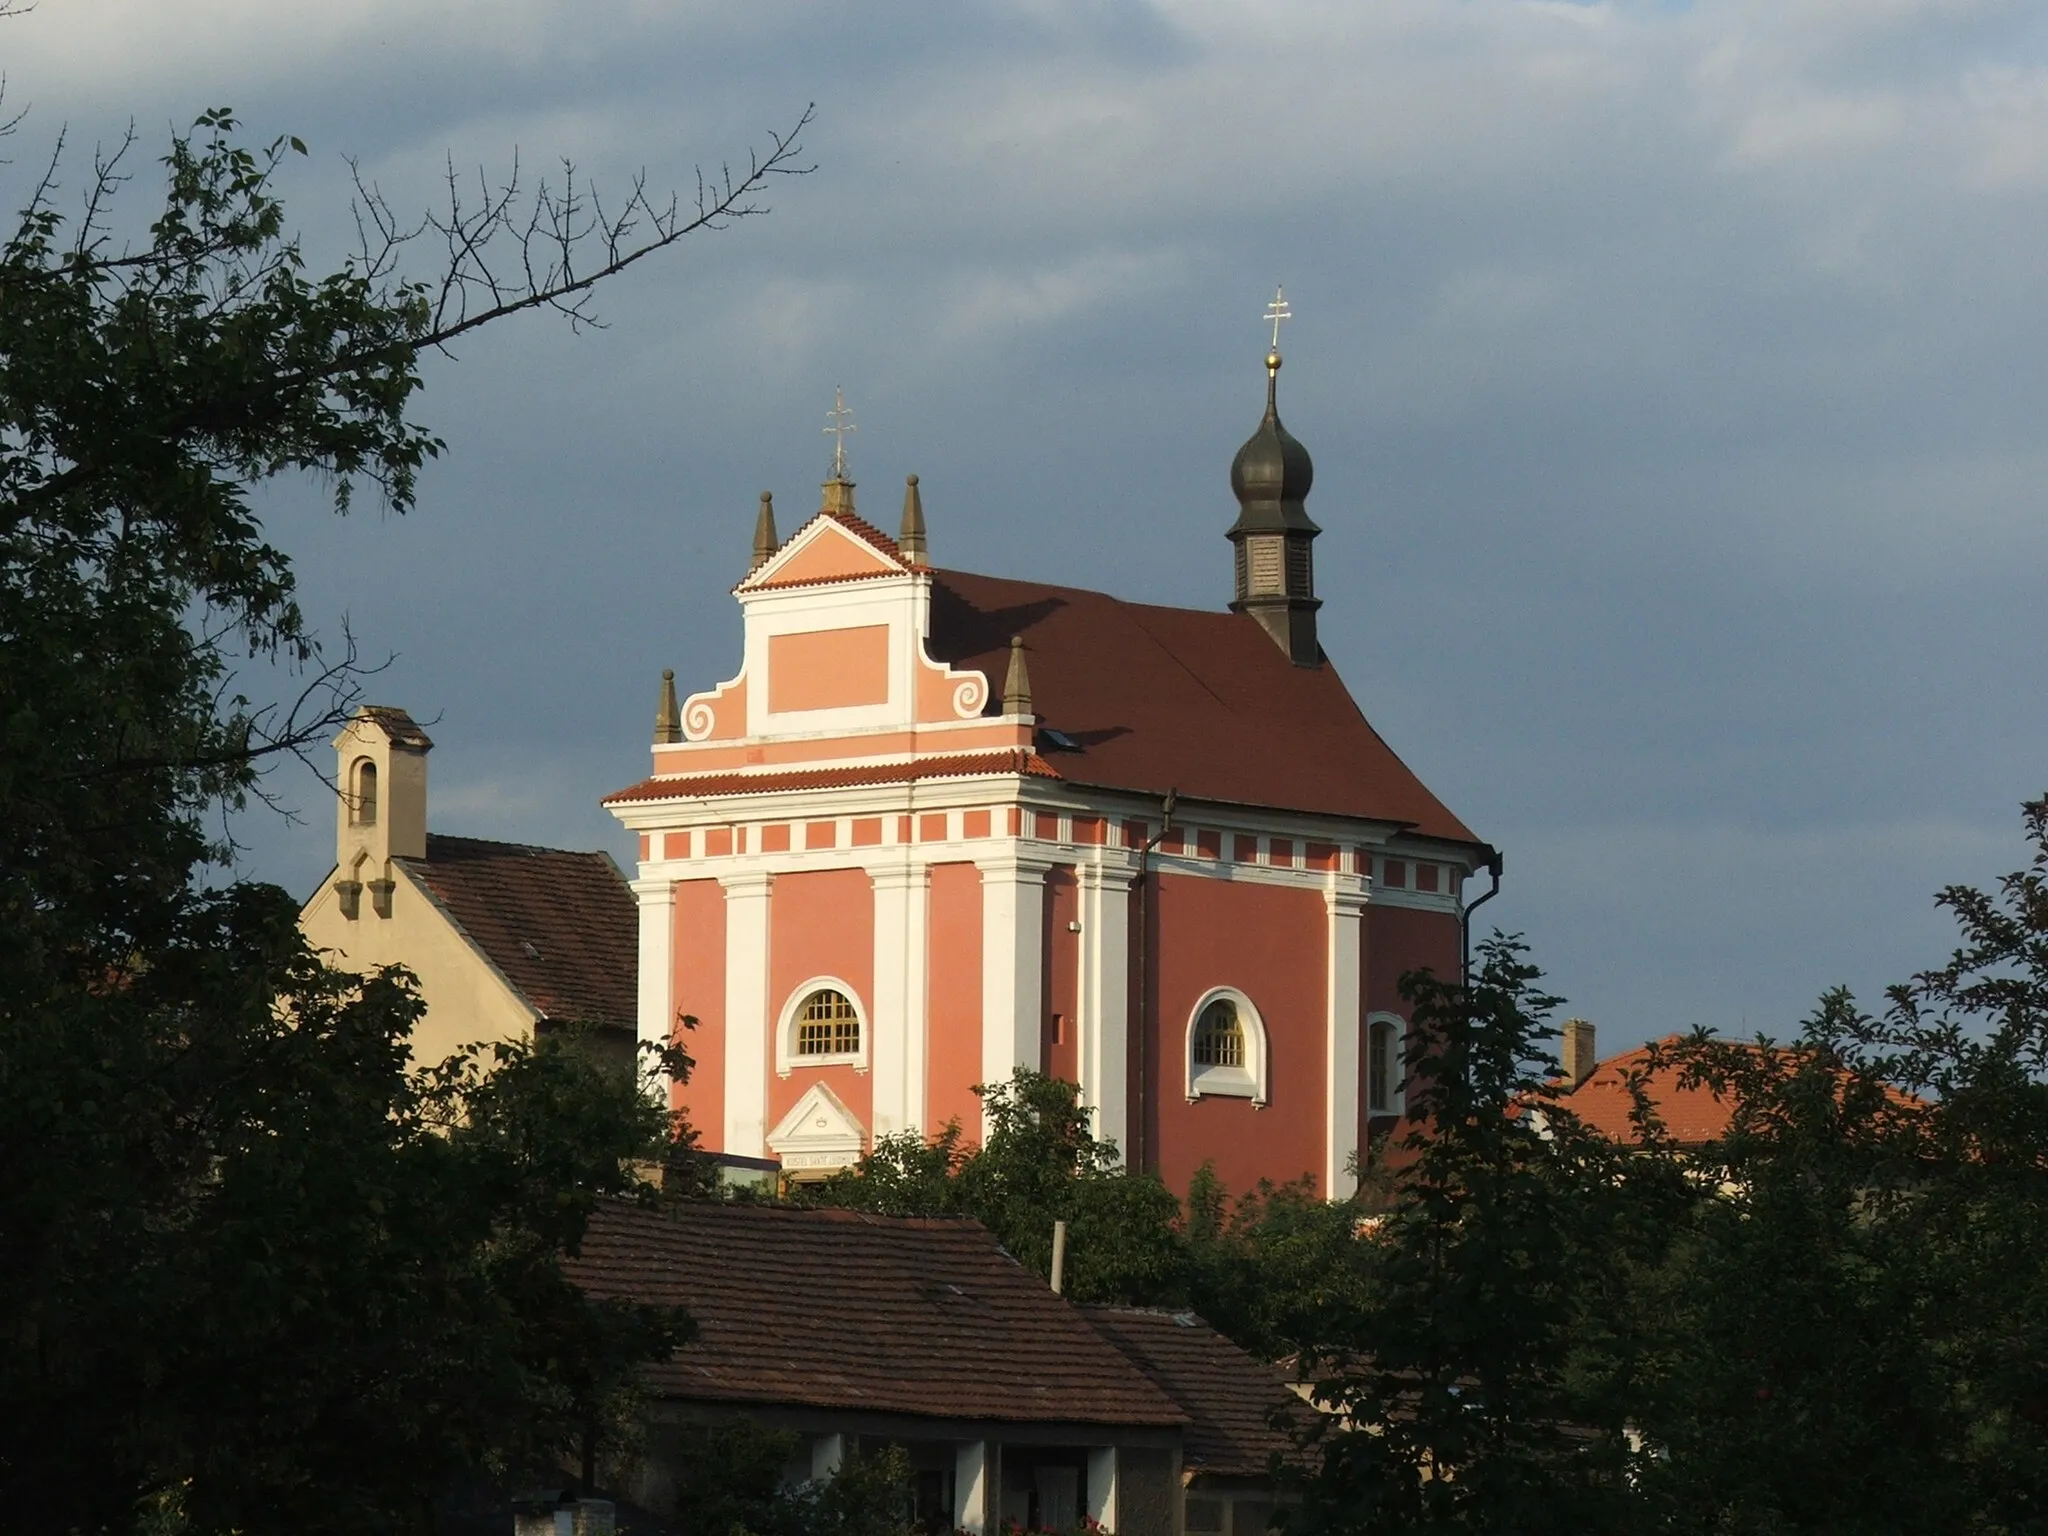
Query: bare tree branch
pixel 564 241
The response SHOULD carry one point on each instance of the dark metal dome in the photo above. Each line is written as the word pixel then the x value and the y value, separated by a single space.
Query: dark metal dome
pixel 1272 472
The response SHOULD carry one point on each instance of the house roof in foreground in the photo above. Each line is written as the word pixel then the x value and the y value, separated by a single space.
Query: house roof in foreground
pixel 561 927
pixel 841 1310
pixel 1197 700
pixel 1230 1397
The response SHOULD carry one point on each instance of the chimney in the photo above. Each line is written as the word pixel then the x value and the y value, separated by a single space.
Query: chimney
pixel 1580 1058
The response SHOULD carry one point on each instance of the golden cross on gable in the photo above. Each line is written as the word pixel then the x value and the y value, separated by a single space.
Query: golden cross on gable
pixel 1278 311
pixel 839 422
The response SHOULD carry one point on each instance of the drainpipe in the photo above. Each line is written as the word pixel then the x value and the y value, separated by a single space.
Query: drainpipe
pixel 1493 867
pixel 1143 888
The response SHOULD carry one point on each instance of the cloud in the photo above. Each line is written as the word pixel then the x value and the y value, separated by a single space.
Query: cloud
pixel 1672 373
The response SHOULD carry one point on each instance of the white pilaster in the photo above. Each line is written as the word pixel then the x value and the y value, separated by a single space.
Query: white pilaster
pixel 898 1014
pixel 1344 900
pixel 973 1467
pixel 1012 952
pixel 1102 1486
pixel 656 1012
pixel 1106 992
pixel 747 1017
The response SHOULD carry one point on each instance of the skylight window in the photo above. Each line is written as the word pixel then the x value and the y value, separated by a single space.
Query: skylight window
pixel 1059 740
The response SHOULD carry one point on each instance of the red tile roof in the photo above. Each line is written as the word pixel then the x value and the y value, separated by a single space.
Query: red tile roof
pixel 854 524
pixel 841 1310
pixel 1691 1116
pixel 561 927
pixel 1165 698
pixel 903 771
pixel 1230 1397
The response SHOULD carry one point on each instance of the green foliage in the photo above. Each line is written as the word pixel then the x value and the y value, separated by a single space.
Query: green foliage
pixel 255 1261
pixel 1041 1162
pixel 730 1484
pixel 1269 1269
pixel 1475 1383
pixel 257 1276
pixel 1831 1319
pixel 1856 1337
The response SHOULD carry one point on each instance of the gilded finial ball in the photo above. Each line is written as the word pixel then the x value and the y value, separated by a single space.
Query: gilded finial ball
pixel 910 479
pixel 1016 642
pixel 668 674
pixel 767 495
pixel 1273 361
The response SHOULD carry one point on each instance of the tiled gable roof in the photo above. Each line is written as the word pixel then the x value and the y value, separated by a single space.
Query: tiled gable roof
pixel 840 1310
pixel 561 927
pixel 1230 1397
pixel 1177 698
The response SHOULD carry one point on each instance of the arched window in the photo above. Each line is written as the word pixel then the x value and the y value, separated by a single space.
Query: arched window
pixel 1385 1092
pixel 1226 1047
pixel 1219 1037
pixel 822 1025
pixel 363 805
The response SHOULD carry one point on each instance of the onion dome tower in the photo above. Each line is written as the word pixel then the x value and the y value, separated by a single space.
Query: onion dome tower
pixel 1275 564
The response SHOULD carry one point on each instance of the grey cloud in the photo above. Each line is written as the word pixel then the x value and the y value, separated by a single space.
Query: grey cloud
pixel 1673 376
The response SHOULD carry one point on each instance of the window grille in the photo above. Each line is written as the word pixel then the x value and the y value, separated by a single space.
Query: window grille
pixel 1219 1036
pixel 827 1025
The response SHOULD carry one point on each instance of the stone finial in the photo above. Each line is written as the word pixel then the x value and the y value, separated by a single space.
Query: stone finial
pixel 911 539
pixel 1017 684
pixel 668 715
pixel 765 542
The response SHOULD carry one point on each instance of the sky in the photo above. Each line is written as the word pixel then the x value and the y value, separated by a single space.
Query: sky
pixel 1674 375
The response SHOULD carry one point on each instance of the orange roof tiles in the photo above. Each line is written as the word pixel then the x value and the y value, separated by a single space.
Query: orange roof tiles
pixel 1163 698
pixel 1692 1116
pixel 838 1309
pixel 561 927
pixel 902 771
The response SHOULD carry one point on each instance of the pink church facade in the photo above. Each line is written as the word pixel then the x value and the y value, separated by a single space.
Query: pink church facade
pixel 939 826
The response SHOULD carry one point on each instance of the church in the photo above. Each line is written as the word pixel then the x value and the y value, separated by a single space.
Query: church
pixel 939 826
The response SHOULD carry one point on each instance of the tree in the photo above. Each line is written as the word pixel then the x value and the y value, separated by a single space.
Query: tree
pixel 1040 1162
pixel 1854 1337
pixel 258 1278
pixel 1478 1377
pixel 730 1483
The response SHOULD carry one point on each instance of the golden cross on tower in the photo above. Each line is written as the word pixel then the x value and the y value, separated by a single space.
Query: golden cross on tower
pixel 1276 312
pixel 839 422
